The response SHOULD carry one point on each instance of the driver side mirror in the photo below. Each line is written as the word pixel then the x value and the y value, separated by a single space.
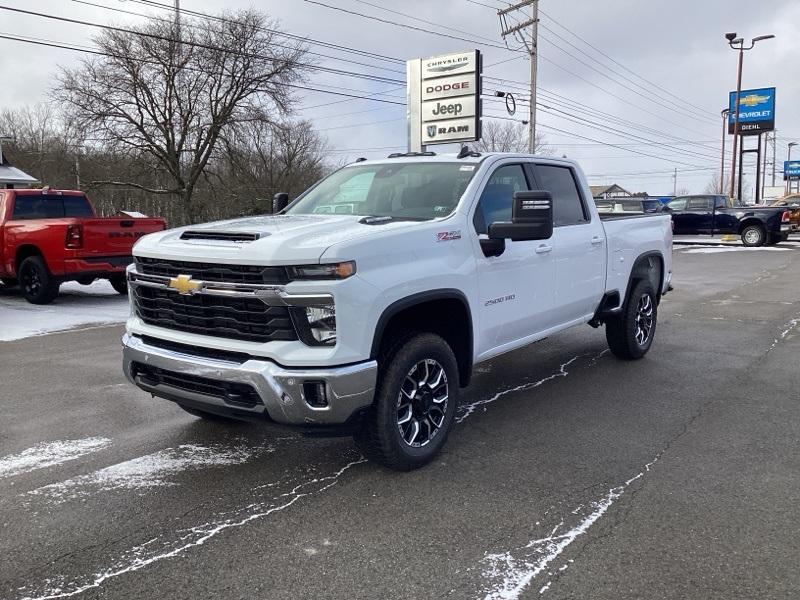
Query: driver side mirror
pixel 279 202
pixel 531 218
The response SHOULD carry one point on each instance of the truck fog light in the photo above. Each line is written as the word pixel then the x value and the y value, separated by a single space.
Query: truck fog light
pixel 315 393
pixel 322 324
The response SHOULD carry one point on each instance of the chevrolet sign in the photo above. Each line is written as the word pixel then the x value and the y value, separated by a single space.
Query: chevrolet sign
pixel 756 111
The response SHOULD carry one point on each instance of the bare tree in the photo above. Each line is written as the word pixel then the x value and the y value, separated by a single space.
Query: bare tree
pixel 169 101
pixel 683 191
pixel 508 136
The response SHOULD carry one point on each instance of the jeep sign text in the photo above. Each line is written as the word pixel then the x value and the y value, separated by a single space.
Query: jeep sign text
pixel 436 110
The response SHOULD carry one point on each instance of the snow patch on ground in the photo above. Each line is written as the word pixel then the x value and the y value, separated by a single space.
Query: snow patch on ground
pixel 172 544
pixel 787 329
pixel 719 249
pixel 149 471
pixel 509 573
pixel 76 306
pixel 48 454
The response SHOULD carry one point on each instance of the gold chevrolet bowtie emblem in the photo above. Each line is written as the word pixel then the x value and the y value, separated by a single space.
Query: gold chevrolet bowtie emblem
pixel 753 100
pixel 185 285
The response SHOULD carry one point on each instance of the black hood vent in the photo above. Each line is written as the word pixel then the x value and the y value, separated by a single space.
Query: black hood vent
pixel 225 236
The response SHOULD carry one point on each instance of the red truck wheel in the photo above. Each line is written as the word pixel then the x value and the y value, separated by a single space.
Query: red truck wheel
pixel 38 286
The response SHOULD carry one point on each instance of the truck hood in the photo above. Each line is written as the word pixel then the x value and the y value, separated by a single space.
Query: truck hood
pixel 281 239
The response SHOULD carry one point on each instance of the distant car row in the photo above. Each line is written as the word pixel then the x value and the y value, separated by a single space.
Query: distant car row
pixel 713 214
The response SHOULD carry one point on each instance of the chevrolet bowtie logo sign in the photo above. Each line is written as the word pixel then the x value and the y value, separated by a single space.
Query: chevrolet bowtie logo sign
pixel 753 100
pixel 185 285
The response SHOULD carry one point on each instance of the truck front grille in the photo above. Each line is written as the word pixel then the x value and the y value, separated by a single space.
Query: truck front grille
pixel 212 272
pixel 246 319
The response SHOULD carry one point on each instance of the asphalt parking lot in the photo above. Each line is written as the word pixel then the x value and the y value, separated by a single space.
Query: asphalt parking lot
pixel 571 475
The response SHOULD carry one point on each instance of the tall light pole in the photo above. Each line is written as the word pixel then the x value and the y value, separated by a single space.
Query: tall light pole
pixel 737 43
pixel 725 113
pixel 789 158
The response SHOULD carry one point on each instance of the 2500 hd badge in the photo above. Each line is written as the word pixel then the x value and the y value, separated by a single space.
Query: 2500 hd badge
pixel 500 300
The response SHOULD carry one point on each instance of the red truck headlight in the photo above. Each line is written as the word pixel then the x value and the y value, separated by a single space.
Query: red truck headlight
pixel 74 236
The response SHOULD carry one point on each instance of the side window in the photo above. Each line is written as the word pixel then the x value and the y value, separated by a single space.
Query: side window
pixel 567 204
pixel 77 206
pixel 720 202
pixel 37 206
pixel 699 204
pixel 495 202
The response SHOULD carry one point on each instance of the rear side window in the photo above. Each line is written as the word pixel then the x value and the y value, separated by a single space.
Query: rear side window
pixel 37 206
pixel 77 206
pixel 699 204
pixel 567 204
pixel 720 202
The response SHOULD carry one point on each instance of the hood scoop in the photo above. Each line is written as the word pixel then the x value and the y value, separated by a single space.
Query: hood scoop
pixel 221 236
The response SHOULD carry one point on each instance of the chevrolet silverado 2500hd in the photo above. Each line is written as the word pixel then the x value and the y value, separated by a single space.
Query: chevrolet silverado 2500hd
pixel 367 301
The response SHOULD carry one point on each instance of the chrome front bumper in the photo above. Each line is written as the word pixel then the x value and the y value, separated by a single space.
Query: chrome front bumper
pixel 348 389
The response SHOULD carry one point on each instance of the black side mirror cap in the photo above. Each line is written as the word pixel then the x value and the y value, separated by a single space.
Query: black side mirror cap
pixel 531 218
pixel 279 202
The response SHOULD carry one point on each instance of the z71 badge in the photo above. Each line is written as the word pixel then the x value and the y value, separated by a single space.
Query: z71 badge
pixel 448 236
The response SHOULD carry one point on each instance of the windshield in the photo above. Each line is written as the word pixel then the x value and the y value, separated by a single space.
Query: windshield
pixel 417 191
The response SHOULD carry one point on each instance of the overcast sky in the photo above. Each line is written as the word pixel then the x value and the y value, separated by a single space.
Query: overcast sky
pixel 678 46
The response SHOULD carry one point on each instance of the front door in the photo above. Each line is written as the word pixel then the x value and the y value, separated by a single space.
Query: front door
pixel 516 289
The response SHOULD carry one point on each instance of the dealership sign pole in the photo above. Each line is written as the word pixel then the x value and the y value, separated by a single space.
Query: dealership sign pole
pixel 751 112
pixel 443 99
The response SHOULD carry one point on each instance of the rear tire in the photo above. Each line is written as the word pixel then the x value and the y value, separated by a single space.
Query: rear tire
pixel 630 333
pixel 119 283
pixel 415 405
pixel 38 285
pixel 753 236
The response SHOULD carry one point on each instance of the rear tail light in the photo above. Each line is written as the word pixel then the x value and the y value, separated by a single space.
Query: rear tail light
pixel 74 236
pixel 786 217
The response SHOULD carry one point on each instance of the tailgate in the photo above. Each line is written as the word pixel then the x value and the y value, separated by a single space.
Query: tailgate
pixel 115 235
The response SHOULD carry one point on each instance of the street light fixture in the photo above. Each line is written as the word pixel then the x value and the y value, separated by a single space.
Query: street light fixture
pixel 737 43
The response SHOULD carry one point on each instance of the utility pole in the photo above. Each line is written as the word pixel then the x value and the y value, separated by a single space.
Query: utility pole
pixel 774 154
pixel 532 46
pixel 675 182
pixel 178 19
pixel 725 113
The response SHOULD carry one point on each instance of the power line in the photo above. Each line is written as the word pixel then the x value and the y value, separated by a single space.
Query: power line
pixel 616 62
pixel 192 44
pixel 406 25
pixel 140 14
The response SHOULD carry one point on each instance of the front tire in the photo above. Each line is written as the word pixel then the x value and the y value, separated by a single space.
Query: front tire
pixel 38 285
pixel 416 402
pixel 630 333
pixel 120 283
pixel 753 236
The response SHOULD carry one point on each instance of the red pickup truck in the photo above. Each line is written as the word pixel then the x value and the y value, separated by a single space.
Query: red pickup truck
pixel 51 236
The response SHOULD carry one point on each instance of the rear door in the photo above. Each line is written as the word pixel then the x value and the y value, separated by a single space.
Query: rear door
pixel 516 289
pixel 578 244
pixel 724 220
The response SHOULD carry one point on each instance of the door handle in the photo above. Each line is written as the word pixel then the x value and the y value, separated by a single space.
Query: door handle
pixel 543 249
pixel 597 240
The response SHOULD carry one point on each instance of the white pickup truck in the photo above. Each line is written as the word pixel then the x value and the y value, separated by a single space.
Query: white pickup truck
pixel 364 305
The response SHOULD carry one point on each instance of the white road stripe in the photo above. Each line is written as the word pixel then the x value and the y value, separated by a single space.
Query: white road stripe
pixel 48 454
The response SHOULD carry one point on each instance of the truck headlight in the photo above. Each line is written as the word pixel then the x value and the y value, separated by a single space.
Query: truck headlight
pixel 341 270
pixel 316 324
